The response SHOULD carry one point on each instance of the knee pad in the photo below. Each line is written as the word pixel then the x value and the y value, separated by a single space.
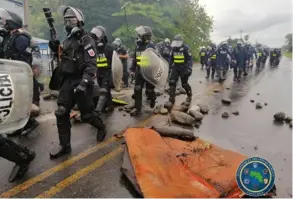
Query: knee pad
pixel 172 83
pixel 61 111
pixel 137 89
pixel 103 91
pixel 186 85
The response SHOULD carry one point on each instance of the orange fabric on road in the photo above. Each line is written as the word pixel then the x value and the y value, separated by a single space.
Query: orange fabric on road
pixel 171 168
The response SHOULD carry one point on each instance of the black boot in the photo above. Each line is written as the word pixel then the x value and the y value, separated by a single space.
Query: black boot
pixel 30 127
pixel 64 146
pixel 138 102
pixel 21 156
pixel 208 74
pixel 101 128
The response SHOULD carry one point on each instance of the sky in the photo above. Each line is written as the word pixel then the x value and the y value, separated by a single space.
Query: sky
pixel 266 21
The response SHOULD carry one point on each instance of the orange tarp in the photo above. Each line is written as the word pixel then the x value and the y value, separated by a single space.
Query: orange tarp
pixel 171 168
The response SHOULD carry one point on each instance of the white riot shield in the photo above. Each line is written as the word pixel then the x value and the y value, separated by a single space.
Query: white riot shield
pixel 16 91
pixel 154 68
pixel 117 71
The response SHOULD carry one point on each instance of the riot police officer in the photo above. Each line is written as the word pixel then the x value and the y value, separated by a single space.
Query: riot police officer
pixel 212 61
pixel 166 50
pixel 181 66
pixel 203 55
pixel 104 63
pixel 17 47
pixel 143 42
pixel 241 58
pixel 78 70
pixel 21 156
pixel 223 60
pixel 123 55
pixel 274 56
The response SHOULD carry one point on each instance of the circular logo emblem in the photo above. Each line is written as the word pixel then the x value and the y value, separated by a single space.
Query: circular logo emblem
pixel 255 176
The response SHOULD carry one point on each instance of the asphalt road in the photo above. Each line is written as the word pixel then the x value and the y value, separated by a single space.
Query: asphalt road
pixel 93 169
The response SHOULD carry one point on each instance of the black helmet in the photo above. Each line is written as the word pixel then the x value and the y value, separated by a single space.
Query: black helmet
pixel 10 20
pixel 177 41
pixel 99 34
pixel 144 33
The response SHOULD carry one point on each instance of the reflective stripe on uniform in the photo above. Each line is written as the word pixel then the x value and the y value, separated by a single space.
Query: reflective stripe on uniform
pixel 179 59
pixel 203 53
pixel 259 54
pixel 274 54
pixel 138 60
pixel 102 62
pixel 214 57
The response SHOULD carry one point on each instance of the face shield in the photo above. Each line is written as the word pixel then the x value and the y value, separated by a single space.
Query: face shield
pixel 140 31
pixel 117 43
pixel 176 43
pixel 98 34
pixel 4 16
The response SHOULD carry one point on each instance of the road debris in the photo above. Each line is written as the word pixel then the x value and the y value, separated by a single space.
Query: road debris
pixel 226 101
pixel 280 116
pixel 204 109
pixel 216 90
pixel 193 108
pixel 288 120
pixel 258 106
pixel 225 115
pixel 163 110
pixel 266 104
pixel 182 118
pixel 252 101
pixel 235 113
pixel 198 116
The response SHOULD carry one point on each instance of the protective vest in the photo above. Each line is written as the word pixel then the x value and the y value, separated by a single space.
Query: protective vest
pixel 203 54
pixel 102 61
pixel 274 54
pixel 178 57
pixel 259 54
pixel 214 56
pixel 138 58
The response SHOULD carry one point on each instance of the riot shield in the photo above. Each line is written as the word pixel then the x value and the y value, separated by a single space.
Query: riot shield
pixel 16 92
pixel 117 71
pixel 154 68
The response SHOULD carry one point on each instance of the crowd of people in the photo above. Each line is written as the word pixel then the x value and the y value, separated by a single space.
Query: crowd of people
pixel 86 61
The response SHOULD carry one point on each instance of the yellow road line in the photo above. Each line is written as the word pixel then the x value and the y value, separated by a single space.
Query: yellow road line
pixel 22 187
pixel 79 174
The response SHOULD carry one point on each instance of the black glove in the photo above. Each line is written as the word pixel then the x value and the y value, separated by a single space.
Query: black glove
pixel 81 87
pixel 188 72
pixel 53 45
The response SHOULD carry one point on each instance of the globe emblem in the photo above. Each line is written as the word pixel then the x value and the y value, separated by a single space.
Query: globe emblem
pixel 255 165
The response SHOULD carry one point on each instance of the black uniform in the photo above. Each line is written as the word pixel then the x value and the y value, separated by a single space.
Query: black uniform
pixel 181 60
pixel 122 50
pixel 78 68
pixel 104 76
pixel 17 47
pixel 139 80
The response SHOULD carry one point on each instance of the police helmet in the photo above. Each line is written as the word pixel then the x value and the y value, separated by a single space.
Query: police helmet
pixel 117 42
pixel 239 43
pixel 99 33
pixel 167 40
pixel 72 13
pixel 144 32
pixel 177 41
pixel 10 20
pixel 224 44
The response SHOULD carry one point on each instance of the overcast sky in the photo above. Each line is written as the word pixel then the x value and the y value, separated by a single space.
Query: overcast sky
pixel 267 21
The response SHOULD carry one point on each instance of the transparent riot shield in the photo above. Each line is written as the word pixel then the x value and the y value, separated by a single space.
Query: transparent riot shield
pixel 117 71
pixel 154 68
pixel 16 91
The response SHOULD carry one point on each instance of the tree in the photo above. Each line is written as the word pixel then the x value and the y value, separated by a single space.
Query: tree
pixel 288 45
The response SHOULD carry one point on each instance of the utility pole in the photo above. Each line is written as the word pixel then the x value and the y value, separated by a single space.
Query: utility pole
pixel 26 15
pixel 241 34
pixel 125 15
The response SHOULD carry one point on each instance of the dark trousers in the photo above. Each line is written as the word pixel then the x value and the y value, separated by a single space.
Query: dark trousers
pixel 139 84
pixel 104 81
pixel 174 77
pixel 125 73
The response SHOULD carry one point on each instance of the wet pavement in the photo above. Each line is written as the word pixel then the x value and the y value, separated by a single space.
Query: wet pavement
pixel 93 169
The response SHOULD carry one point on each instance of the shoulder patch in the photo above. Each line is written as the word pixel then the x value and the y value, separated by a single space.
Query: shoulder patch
pixel 91 52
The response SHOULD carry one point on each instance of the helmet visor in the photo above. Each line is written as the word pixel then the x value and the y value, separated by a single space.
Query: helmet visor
pixel 96 31
pixel 72 21
pixel 117 42
pixel 4 15
pixel 176 44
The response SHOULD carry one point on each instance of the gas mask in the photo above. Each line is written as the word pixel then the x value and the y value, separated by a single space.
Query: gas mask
pixel 139 41
pixel 3 32
pixel 70 23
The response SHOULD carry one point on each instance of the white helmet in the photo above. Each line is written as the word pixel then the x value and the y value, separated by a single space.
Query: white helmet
pixel 167 40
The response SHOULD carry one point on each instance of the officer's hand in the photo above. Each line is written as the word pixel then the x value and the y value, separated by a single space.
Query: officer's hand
pixel 53 45
pixel 80 88
pixel 131 73
pixel 188 72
